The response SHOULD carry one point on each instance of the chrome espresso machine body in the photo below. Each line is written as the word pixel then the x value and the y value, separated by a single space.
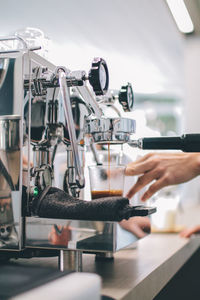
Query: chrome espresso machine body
pixel 37 126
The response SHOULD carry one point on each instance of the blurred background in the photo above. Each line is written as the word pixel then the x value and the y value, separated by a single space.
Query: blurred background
pixel 141 43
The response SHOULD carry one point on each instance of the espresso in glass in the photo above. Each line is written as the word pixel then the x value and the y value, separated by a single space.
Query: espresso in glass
pixel 106 193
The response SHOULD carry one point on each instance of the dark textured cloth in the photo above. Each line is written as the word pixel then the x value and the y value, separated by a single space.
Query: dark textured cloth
pixel 55 203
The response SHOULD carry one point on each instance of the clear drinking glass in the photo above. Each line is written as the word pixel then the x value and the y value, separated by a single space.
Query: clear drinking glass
pixel 106 181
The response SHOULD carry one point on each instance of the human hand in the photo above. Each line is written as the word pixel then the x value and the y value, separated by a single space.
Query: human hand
pixel 165 168
pixel 139 226
pixel 186 233
pixel 60 235
pixel 25 162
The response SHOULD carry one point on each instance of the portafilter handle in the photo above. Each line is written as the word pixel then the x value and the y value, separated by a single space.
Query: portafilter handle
pixel 186 143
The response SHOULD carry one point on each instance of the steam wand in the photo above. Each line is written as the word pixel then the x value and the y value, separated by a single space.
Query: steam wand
pixel 70 124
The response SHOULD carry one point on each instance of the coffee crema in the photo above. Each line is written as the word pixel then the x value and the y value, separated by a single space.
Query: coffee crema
pixel 106 193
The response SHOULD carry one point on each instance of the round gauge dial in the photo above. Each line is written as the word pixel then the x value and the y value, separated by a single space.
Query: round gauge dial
pixel 102 76
pixel 126 97
pixel 99 77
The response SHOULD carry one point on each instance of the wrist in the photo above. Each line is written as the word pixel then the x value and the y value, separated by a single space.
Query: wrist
pixel 197 163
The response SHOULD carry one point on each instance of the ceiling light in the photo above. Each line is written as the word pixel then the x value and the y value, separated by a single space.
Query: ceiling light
pixel 181 15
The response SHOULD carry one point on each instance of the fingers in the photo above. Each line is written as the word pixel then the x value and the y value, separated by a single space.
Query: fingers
pixel 190 231
pixel 186 233
pixel 132 168
pixel 25 162
pixel 137 168
pixel 149 162
pixel 155 187
pixel 141 182
pixel 138 186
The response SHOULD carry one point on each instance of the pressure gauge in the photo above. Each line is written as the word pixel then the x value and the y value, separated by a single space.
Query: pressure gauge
pixel 98 76
pixel 126 97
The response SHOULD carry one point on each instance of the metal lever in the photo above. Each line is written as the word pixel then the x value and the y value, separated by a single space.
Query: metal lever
pixel 70 123
pixel 91 101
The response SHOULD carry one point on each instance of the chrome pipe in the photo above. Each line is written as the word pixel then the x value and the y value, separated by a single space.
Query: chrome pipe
pixel 70 123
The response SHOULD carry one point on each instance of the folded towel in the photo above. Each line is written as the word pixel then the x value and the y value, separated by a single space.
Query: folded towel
pixel 55 203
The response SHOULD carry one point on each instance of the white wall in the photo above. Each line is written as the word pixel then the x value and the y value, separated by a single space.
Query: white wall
pixel 138 38
pixel 192 84
pixel 191 190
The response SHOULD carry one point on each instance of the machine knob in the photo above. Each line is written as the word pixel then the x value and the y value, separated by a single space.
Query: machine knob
pixel 99 76
pixel 126 97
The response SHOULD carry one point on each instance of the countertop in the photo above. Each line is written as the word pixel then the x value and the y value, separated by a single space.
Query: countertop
pixel 136 273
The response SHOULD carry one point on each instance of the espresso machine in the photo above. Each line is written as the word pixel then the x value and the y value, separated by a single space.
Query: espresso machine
pixel 38 127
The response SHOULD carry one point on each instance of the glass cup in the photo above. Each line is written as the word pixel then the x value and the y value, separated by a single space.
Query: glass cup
pixel 106 181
